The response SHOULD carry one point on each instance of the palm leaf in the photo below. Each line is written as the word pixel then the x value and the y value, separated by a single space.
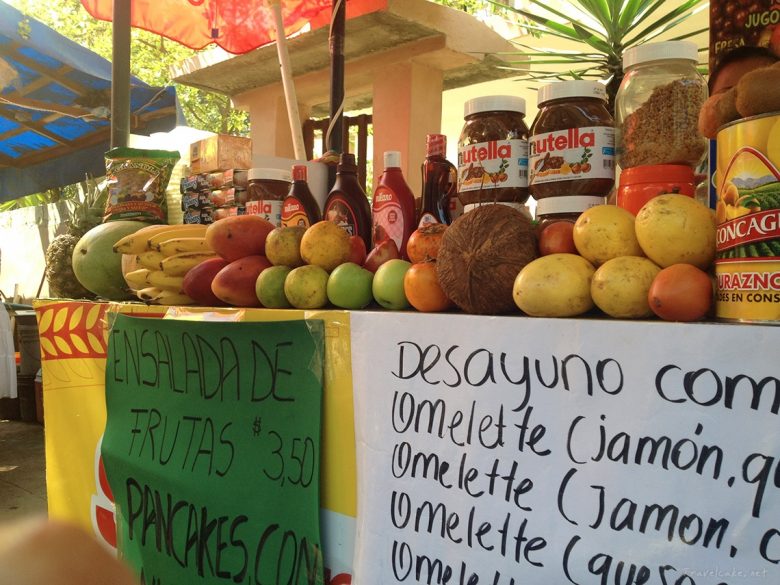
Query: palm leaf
pixel 630 12
pixel 682 9
pixel 592 40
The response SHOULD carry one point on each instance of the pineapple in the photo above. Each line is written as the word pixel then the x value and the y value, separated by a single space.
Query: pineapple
pixel 86 213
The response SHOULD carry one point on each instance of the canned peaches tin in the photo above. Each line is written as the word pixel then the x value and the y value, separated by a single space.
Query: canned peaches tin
pixel 747 210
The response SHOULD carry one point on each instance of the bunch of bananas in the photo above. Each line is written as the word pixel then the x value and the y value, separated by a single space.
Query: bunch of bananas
pixel 165 253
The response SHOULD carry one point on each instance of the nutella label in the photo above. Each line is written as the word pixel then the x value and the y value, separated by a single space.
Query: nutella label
pixel 339 212
pixel 267 209
pixel 572 154
pixel 388 217
pixel 493 165
pixel 293 213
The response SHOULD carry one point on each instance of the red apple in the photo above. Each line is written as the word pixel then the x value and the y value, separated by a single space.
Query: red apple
pixel 357 250
pixel 384 251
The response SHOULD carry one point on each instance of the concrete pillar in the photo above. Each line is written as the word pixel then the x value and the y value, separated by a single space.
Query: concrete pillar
pixel 407 106
pixel 270 126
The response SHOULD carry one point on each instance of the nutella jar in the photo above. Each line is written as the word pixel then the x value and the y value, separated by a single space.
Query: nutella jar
pixel 265 193
pixel 572 162
pixel 493 152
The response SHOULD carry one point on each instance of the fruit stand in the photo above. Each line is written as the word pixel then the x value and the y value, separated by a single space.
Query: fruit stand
pixel 499 447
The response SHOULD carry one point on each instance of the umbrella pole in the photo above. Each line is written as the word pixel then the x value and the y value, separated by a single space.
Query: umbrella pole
pixel 120 75
pixel 335 140
pixel 290 97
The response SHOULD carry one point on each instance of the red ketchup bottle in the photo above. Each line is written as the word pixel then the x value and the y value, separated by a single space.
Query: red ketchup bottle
pixel 393 205
pixel 300 207
pixel 439 183
pixel 347 205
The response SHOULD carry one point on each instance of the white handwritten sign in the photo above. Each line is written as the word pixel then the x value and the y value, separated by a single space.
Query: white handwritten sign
pixel 508 451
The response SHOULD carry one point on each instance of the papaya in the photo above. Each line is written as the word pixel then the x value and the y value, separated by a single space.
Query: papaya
pixel 96 266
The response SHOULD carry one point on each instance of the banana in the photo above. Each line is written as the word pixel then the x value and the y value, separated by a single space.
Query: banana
pixel 169 297
pixel 190 230
pixel 149 294
pixel 160 279
pixel 180 245
pixel 136 242
pixel 180 264
pixel 150 259
pixel 137 278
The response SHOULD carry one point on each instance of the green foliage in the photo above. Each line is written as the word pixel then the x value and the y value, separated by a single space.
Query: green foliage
pixel 602 30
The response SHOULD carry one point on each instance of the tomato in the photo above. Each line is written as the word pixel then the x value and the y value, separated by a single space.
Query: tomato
pixel 557 238
pixel 424 242
pixel 422 289
pixel 681 292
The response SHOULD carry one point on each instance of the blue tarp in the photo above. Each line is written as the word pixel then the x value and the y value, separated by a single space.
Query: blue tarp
pixel 55 98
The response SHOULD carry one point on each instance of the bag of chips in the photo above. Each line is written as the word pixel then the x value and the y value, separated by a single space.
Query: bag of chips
pixel 136 180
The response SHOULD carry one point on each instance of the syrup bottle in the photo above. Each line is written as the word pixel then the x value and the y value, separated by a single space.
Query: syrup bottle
pixel 347 205
pixel 393 204
pixel 300 207
pixel 439 183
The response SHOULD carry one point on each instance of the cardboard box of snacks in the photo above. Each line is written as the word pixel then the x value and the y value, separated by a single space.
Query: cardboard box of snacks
pixel 220 152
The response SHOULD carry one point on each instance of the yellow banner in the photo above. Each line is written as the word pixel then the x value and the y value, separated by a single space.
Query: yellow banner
pixel 73 359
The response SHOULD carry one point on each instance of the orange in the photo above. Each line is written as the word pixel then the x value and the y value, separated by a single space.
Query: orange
pixel 422 289
pixel 681 292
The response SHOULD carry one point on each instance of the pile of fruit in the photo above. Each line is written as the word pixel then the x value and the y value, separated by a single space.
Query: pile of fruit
pixel 486 262
pixel 629 267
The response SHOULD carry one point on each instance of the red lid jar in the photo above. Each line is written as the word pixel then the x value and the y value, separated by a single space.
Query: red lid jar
pixel 638 185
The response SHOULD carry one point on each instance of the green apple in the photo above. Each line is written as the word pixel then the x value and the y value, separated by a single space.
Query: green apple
pixel 388 285
pixel 306 287
pixel 270 287
pixel 349 286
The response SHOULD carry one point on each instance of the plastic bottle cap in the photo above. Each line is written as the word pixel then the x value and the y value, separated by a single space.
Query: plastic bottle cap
pixel 657 174
pixel 494 103
pixel 269 174
pixel 578 88
pixel 659 51
pixel 392 159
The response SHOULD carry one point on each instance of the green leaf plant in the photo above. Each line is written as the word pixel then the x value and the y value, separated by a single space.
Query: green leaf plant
pixel 600 32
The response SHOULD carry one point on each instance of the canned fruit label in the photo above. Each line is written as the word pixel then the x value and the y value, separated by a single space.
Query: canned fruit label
pixel 747 212
pixel 493 165
pixel 572 154
pixel 748 290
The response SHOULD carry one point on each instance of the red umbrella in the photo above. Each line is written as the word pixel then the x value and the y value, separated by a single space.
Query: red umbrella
pixel 238 26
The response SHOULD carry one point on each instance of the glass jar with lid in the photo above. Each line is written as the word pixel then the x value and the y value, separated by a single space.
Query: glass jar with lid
pixel 657 106
pixel 572 148
pixel 493 152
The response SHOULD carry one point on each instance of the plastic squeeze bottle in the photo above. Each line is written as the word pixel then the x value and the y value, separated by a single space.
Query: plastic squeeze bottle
pixel 439 183
pixel 393 205
pixel 300 207
pixel 347 205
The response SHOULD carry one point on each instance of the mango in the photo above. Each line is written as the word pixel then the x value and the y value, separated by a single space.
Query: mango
pixel 235 283
pixel 197 282
pixel 239 236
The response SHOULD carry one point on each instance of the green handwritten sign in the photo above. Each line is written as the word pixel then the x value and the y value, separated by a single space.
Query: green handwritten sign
pixel 212 449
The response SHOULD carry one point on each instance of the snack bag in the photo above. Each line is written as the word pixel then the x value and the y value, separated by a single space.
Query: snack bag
pixel 137 179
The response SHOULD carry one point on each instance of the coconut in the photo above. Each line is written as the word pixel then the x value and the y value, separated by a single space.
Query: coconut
pixel 481 254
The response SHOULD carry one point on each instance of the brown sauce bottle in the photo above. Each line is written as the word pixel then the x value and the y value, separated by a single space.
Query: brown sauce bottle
pixel 347 205
pixel 299 207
